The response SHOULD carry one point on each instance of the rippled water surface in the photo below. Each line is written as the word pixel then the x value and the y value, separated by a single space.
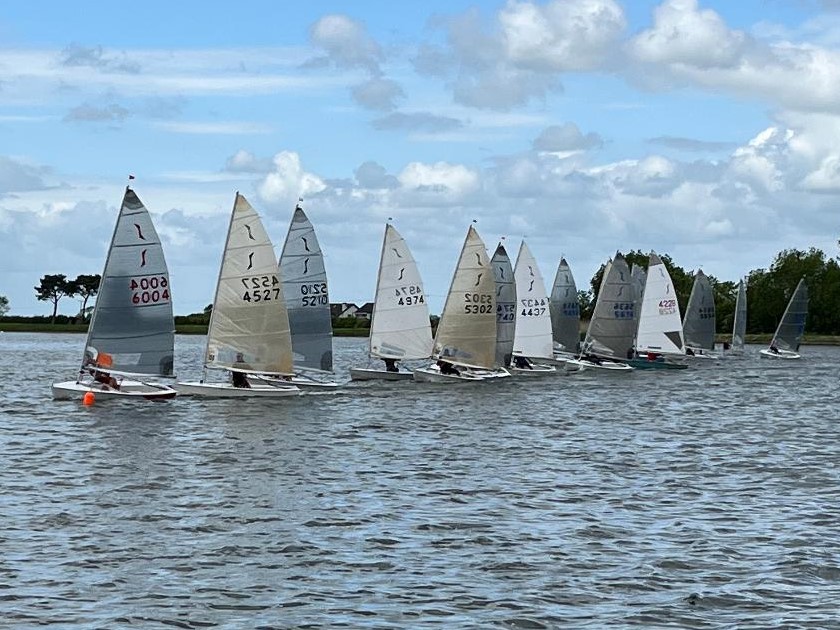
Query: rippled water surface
pixel 703 498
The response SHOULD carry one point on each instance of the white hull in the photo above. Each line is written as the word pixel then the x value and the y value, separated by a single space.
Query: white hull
pixel 536 369
pixel 298 380
pixel 784 355
pixel 69 390
pixel 226 390
pixel 606 367
pixel 432 374
pixel 370 374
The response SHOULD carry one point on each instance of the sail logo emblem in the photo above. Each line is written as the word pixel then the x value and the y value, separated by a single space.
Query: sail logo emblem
pixel 142 256
pixel 251 236
pixel 305 244
pixel 250 259
pixel 401 272
pixel 478 280
pixel 396 252
pixel 305 265
pixel 139 232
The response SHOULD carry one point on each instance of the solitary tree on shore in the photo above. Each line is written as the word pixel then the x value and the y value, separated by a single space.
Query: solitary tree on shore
pixel 52 289
pixel 4 305
pixel 85 286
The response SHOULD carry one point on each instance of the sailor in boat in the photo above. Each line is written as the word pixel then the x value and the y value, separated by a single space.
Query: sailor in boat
pixel 522 363
pixel 592 358
pixel 774 349
pixel 391 365
pixel 690 352
pixel 447 368
pixel 105 378
pixel 238 379
pixel 726 345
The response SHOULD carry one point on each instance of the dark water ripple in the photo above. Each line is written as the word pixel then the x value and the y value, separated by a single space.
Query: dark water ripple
pixel 704 499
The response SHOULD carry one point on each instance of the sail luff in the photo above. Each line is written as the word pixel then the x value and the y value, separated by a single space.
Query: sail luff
pixel 376 290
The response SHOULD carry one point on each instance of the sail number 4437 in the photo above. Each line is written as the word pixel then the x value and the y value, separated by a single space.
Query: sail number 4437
pixel 149 290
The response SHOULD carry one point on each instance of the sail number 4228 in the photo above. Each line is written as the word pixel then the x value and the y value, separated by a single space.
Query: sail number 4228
pixel 149 290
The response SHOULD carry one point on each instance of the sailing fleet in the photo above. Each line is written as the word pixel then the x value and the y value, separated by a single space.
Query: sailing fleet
pixel 270 332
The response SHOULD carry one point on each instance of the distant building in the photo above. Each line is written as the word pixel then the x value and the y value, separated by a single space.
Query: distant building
pixel 365 311
pixel 343 309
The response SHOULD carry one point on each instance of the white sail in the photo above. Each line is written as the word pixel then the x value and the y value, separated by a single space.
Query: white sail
pixel 305 291
pixel 789 333
pixel 613 322
pixel 466 334
pixel 739 325
pixel 400 326
pixel 660 324
pixel 533 318
pixel 132 330
pixel 505 305
pixel 249 326
pixel 699 324
pixel 565 309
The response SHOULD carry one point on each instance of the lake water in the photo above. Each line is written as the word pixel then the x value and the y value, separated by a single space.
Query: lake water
pixel 702 498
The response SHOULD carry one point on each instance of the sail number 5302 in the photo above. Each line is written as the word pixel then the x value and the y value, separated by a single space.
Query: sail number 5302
pixel 261 288
pixel 478 303
pixel 149 290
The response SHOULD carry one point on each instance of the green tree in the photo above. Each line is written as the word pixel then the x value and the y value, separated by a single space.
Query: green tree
pixel 85 286
pixel 4 305
pixel 52 289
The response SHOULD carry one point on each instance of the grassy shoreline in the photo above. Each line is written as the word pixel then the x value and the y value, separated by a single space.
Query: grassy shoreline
pixel 198 329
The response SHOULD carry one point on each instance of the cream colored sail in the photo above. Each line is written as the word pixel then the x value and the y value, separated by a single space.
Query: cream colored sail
pixel 466 334
pixel 532 337
pixel 400 328
pixel 249 325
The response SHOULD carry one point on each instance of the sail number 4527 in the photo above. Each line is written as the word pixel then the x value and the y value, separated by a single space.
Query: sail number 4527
pixel 478 303
pixel 261 288
pixel 149 290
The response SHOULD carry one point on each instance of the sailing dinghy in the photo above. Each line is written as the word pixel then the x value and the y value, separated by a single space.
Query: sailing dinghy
pixel 400 328
pixel 739 323
pixel 564 306
pixel 465 342
pixel 699 324
pixel 249 327
pixel 788 336
pixel 505 305
pixel 532 335
pixel 131 337
pixel 308 304
pixel 609 336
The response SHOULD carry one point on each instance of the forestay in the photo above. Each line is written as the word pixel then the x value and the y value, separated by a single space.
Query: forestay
pixel 739 326
pixel 533 320
pixel 305 291
pixel 400 328
pixel 249 326
pixel 789 333
pixel 505 305
pixel 699 322
pixel 660 324
pixel 613 322
pixel 466 334
pixel 132 330
pixel 565 309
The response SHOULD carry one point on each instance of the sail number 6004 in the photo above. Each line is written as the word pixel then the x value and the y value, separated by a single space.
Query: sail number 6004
pixel 149 290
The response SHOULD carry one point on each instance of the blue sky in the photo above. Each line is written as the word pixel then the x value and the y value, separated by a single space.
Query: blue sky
pixel 703 129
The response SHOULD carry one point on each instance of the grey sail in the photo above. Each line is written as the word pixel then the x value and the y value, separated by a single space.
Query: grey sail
pixel 739 326
pixel 699 322
pixel 613 324
pixel 505 305
pixel 638 275
pixel 305 292
pixel 789 333
pixel 565 309
pixel 132 330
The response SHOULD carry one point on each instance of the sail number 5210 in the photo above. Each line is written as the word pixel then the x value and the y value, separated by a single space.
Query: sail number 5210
pixel 149 290
pixel 478 303
pixel 314 294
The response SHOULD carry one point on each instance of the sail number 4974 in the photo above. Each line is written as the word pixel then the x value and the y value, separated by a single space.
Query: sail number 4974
pixel 409 295
pixel 149 290
pixel 261 288
pixel 478 303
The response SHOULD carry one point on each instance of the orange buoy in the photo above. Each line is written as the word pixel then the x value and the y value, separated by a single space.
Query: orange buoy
pixel 88 399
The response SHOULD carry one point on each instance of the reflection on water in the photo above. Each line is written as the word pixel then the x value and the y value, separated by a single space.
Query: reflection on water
pixel 701 498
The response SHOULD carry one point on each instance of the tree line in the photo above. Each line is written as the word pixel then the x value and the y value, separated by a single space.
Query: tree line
pixel 54 287
pixel 768 291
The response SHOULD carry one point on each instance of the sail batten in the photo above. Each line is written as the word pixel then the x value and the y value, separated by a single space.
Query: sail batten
pixel 132 329
pixel 306 295
pixel 466 334
pixel 532 337
pixel 400 326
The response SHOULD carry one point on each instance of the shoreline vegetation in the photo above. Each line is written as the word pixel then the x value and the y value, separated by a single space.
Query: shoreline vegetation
pixel 201 329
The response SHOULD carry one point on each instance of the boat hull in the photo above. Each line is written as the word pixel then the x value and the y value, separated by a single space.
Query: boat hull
pixel 782 355
pixel 69 390
pixel 536 369
pixel 298 380
pixel 655 364
pixel 605 367
pixel 370 374
pixel 227 390
pixel 432 374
